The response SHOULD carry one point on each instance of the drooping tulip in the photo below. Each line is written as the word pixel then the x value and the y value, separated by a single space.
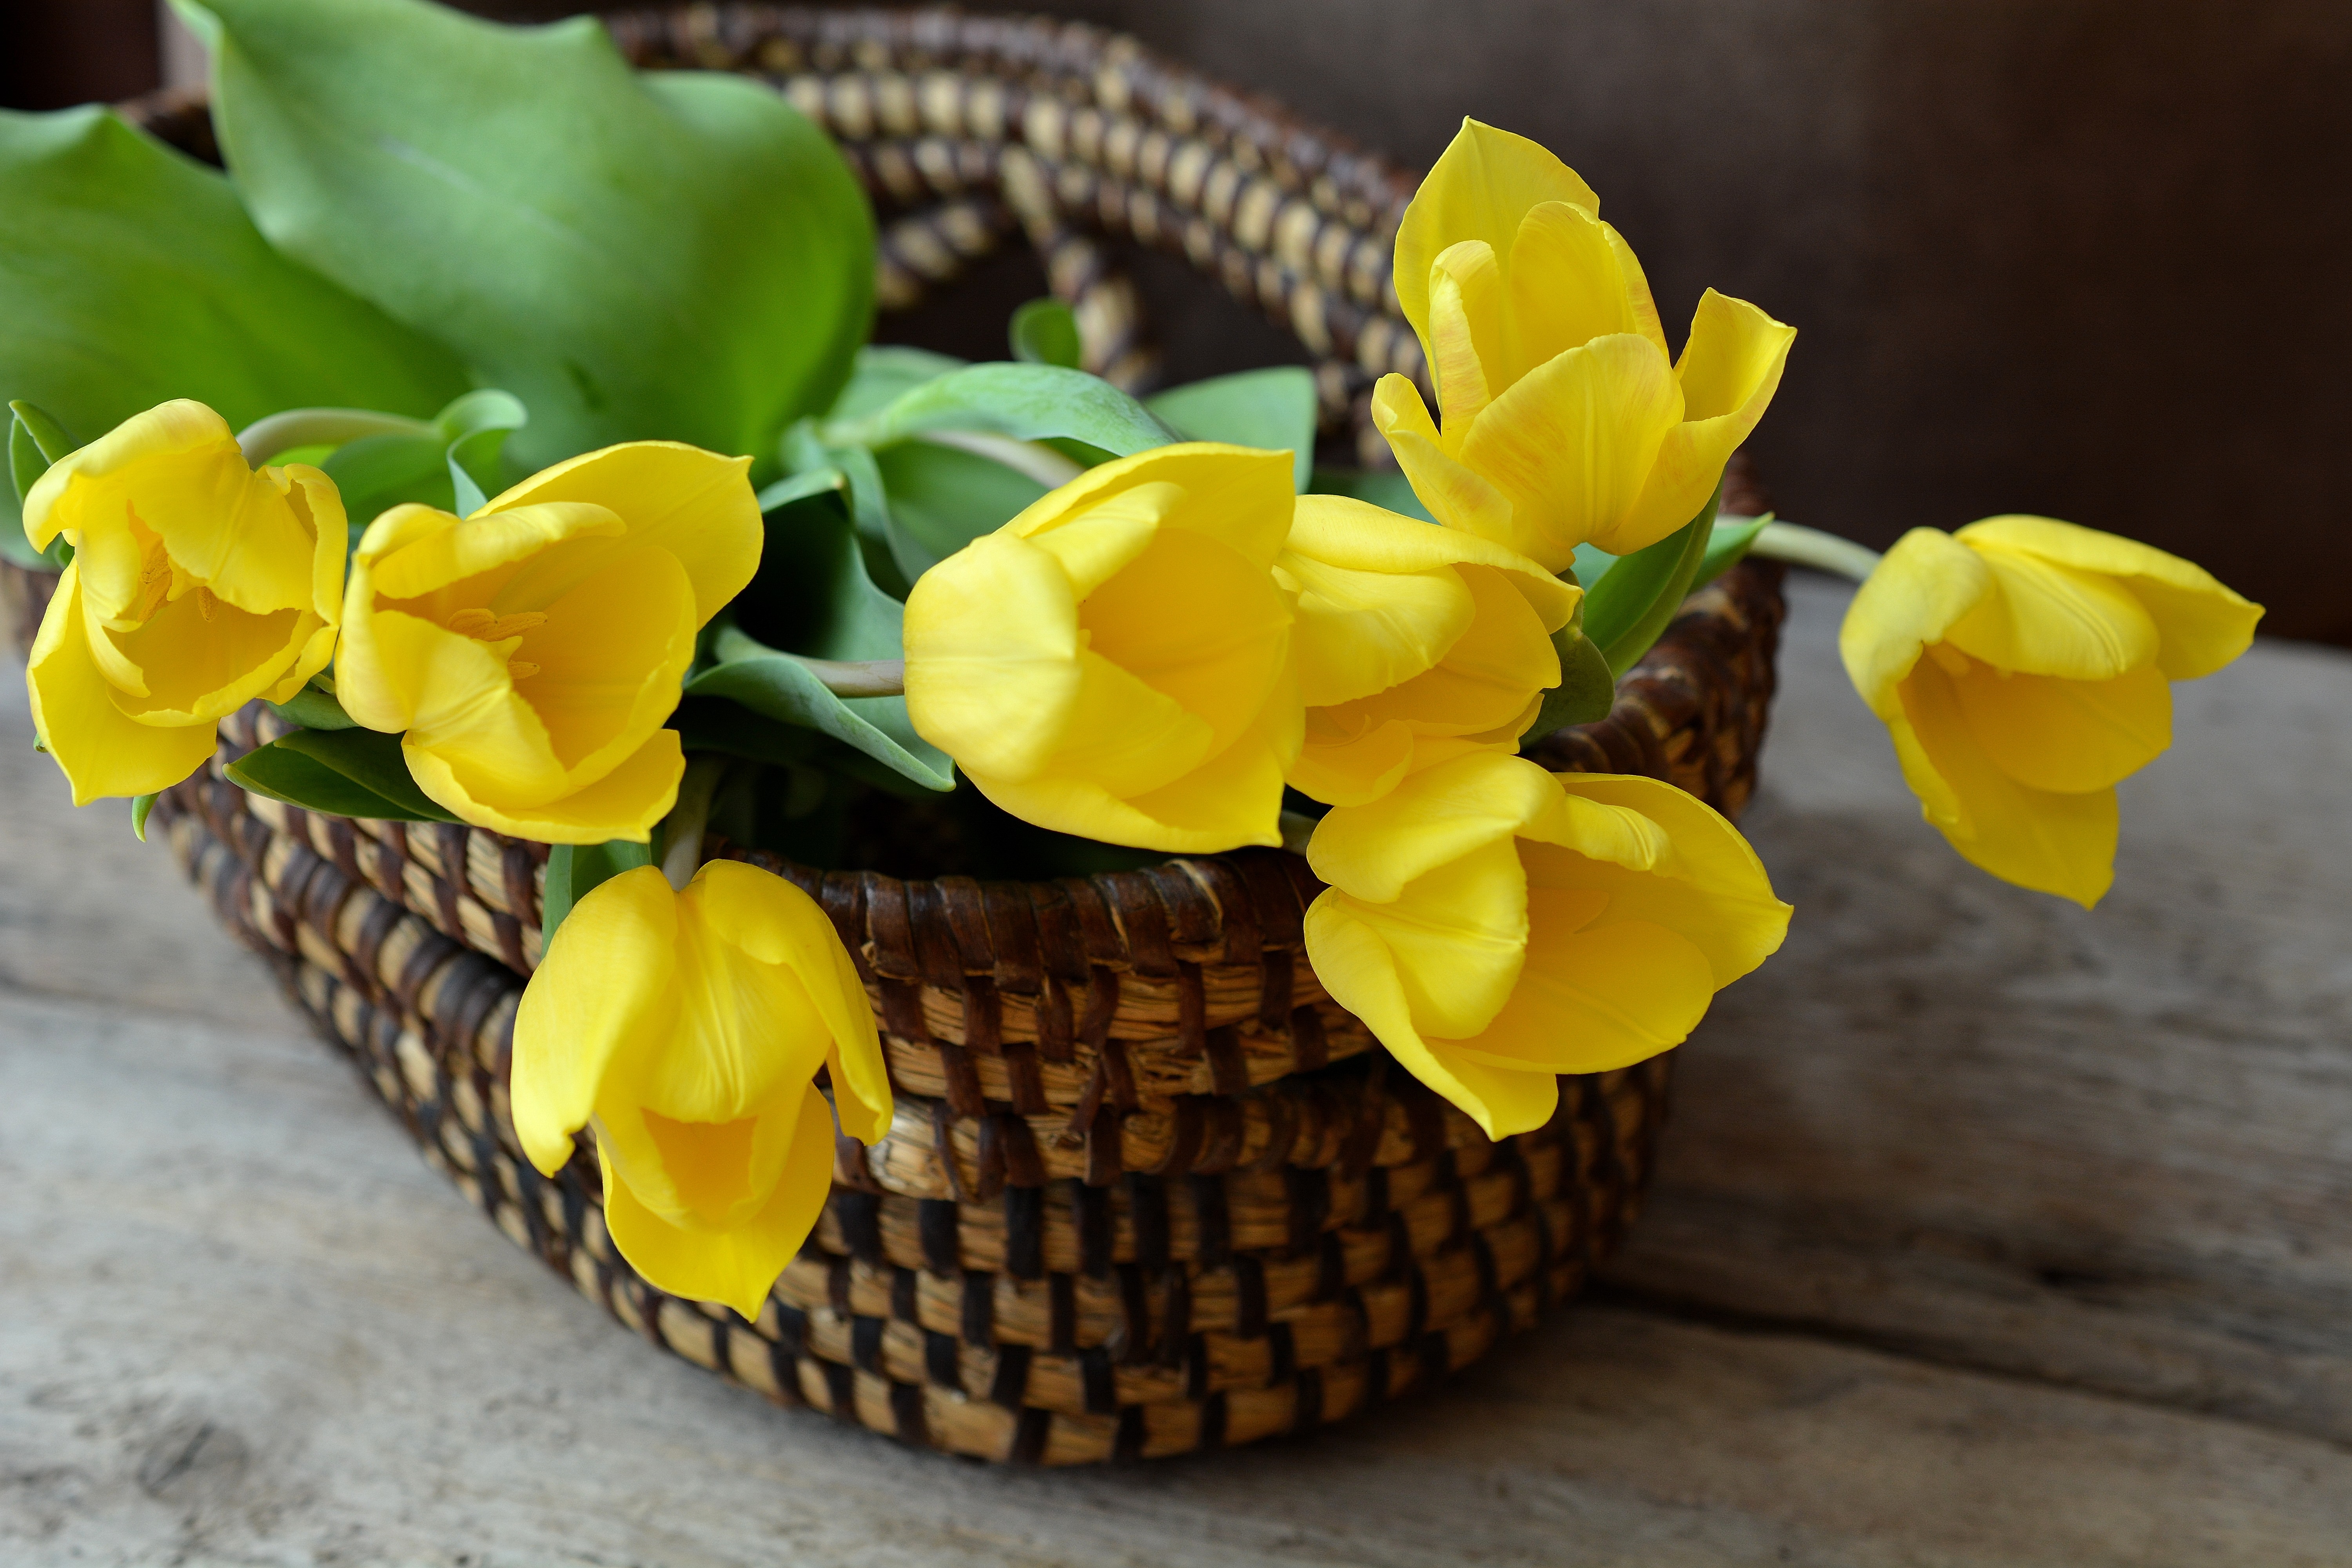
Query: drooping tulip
pixel 1495 925
pixel 1565 420
pixel 1115 662
pixel 197 585
pixel 687 1029
pixel 2021 667
pixel 529 654
pixel 1414 644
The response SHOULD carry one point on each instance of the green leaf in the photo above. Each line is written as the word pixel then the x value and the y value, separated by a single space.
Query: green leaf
pixel 35 441
pixel 372 760
pixel 666 255
pixel 283 774
pixel 315 710
pixel 135 276
pixel 1630 606
pixel 1028 402
pixel 885 371
pixel 1272 408
pixel 799 487
pixel 450 464
pixel 777 687
pixel 1586 688
pixel 574 870
pixel 477 427
pixel 941 499
pixel 1046 331
pixel 719 724
pixel 1729 544
pixel 141 804
pixel 1384 487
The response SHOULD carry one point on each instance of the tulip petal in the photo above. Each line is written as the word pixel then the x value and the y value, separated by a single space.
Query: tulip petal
pixel 737 1267
pixel 1345 764
pixel 627 803
pixel 1364 632
pixel 1238 495
pixel 1358 970
pixel 2067 735
pixel 1454 495
pixel 1343 531
pixel 1458 934
pixel 1594 998
pixel 443 549
pixel 1479 189
pixel 1436 816
pixel 2202 624
pixel 991 644
pixel 1568 286
pixel 1220 667
pixel 1707 885
pixel 1728 372
pixel 441 687
pixel 102 751
pixel 695 504
pixel 608 979
pixel 203 661
pixel 1638 304
pixel 319 506
pixel 609 659
pixel 1096 545
pixel 1488 677
pixel 1466 333
pixel 1123 737
pixel 1919 590
pixel 775 923
pixel 181 427
pixel 2043 619
pixel 2054 842
pixel 1571 443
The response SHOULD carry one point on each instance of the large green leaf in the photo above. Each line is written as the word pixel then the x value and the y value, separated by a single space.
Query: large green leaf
pixel 943 497
pixel 812 597
pixel 1273 409
pixel 776 686
pixel 1028 402
pixel 132 277
pixel 369 759
pixel 1630 606
pixel 335 779
pixel 676 254
pixel 882 371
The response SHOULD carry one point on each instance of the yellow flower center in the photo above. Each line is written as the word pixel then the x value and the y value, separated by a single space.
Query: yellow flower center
pixel 483 626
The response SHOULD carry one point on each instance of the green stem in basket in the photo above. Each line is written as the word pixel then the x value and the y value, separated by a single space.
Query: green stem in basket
pixel 682 830
pixel 1802 546
pixel 843 677
pixel 265 439
pixel 1031 460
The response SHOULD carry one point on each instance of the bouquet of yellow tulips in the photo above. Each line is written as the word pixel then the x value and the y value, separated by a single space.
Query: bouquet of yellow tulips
pixel 525 451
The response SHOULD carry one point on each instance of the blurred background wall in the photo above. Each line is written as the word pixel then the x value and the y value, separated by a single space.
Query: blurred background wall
pixel 2086 257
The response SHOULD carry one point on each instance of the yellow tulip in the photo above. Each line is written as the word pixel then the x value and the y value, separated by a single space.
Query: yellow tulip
pixel 197 585
pixel 1565 421
pixel 1115 662
pixel 1414 644
pixel 2021 666
pixel 531 652
pixel 1494 925
pixel 688 1027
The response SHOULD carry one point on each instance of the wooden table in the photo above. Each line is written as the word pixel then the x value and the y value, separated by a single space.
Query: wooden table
pixel 1989 1232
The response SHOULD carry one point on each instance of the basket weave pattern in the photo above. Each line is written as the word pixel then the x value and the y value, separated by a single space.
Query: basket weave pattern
pixel 1148 1189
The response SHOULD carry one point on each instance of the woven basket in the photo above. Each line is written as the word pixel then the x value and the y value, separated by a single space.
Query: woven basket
pixel 1148 1188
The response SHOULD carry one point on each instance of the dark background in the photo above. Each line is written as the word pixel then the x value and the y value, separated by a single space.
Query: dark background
pixel 2086 257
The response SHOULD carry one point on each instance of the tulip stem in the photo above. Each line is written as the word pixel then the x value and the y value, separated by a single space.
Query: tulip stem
pixel 843 677
pixel 1802 546
pixel 682 830
pixel 1031 460
pixel 265 439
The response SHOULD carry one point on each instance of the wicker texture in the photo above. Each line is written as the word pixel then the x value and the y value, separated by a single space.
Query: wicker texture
pixel 1148 1189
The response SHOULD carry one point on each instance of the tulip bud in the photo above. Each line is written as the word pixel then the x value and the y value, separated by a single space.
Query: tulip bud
pixel 1495 925
pixel 2021 667
pixel 197 585
pixel 1414 644
pixel 533 651
pixel 1565 421
pixel 1115 662
pixel 688 1028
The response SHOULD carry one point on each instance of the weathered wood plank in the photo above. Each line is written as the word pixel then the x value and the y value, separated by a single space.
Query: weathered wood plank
pixel 2109 1148
pixel 244 1323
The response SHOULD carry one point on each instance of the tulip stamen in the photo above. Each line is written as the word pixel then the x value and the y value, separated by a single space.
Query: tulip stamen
pixel 205 603
pixel 520 669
